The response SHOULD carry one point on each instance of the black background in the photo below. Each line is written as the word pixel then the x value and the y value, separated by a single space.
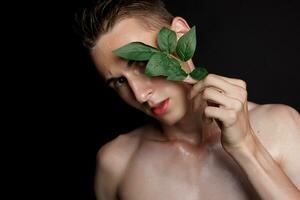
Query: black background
pixel 68 114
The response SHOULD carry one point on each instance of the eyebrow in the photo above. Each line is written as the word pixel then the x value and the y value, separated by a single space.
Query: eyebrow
pixel 129 64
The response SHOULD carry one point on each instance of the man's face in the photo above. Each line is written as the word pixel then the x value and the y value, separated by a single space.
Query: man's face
pixel 165 100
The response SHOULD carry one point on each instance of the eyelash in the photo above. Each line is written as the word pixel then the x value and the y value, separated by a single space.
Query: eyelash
pixel 121 80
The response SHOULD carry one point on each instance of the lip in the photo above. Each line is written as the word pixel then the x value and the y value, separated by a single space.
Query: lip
pixel 161 108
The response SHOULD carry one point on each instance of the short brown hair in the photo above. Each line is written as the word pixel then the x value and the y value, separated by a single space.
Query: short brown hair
pixel 95 20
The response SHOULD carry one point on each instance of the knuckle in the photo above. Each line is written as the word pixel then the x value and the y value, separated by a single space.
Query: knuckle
pixel 237 105
pixel 206 92
pixel 206 110
pixel 208 78
pixel 242 83
pixel 244 94
pixel 232 116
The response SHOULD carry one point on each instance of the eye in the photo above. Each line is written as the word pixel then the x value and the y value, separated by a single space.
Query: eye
pixel 142 63
pixel 119 82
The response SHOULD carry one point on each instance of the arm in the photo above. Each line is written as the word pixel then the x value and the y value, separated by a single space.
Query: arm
pixel 106 179
pixel 274 177
pixel 263 172
pixel 239 140
pixel 291 160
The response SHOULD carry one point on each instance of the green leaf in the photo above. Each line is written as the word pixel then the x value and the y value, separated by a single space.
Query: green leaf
pixel 155 66
pixel 175 72
pixel 177 75
pixel 167 40
pixel 161 64
pixel 186 45
pixel 136 51
pixel 199 73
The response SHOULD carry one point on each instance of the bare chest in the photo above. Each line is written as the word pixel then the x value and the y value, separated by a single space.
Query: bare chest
pixel 178 175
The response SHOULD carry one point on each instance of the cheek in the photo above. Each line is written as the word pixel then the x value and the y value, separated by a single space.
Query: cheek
pixel 128 97
pixel 178 94
pixel 179 91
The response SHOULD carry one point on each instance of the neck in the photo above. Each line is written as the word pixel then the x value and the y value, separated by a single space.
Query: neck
pixel 194 128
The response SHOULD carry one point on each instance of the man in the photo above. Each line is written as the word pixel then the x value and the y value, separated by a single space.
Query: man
pixel 209 143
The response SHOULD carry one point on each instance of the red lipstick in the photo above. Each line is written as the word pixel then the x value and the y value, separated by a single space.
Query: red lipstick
pixel 161 108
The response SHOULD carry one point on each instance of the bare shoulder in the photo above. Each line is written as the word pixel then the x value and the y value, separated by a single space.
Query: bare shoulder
pixel 115 154
pixel 277 126
pixel 281 115
pixel 112 160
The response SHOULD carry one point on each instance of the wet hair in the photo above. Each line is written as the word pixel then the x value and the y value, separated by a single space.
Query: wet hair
pixel 100 17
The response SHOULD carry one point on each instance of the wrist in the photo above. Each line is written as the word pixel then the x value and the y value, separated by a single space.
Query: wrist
pixel 246 147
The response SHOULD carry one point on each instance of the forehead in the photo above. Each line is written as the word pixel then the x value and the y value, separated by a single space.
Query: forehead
pixel 124 32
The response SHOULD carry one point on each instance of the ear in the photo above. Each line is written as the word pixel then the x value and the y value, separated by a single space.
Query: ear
pixel 180 26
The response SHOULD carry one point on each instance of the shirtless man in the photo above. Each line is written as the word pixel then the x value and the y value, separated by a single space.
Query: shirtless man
pixel 210 143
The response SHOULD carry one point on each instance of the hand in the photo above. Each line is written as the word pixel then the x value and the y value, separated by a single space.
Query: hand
pixel 229 98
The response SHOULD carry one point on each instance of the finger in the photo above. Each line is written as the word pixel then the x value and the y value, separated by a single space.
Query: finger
pixel 235 81
pixel 211 81
pixel 224 115
pixel 190 80
pixel 215 112
pixel 227 117
pixel 221 84
pixel 213 95
pixel 196 91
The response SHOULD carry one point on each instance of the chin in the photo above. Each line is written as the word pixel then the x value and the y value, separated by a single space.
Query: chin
pixel 177 111
pixel 173 117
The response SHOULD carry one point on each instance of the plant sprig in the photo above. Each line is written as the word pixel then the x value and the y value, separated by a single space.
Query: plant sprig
pixel 167 59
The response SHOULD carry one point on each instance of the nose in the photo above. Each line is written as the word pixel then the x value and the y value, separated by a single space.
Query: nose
pixel 141 87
